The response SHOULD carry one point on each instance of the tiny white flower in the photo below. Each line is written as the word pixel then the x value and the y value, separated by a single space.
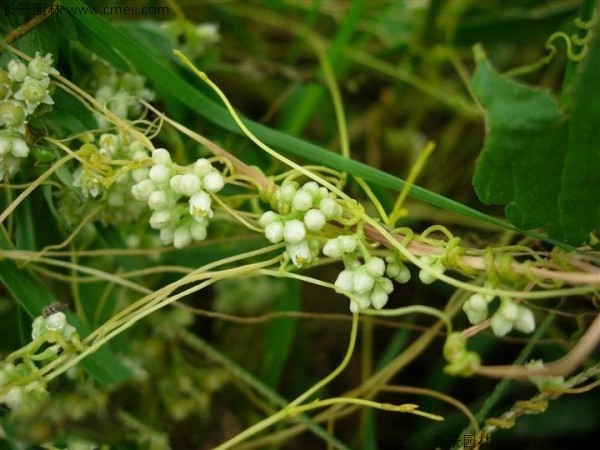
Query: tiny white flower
pixel 344 280
pixel 385 285
pixel 142 190
pixel 158 200
pixel 267 218
pixel 175 183
pixel 19 148
pixel 161 156
pixel 17 71
pixel 314 220
pixel 213 181
pixel 41 67
pixel 299 252
pixel 140 174
pixel 333 249
pixel 509 310
pixel 200 206
pixel 362 282
pixel 56 321
pixel 286 193
pixel 293 231
pixel 160 219
pixel 330 208
pixel 198 231
pixel 500 325
pixel 166 235
pixel 433 262
pixel 312 188
pixel 348 243
pixel 375 267
pixel 378 298
pixel 359 302
pixel 302 201
pixel 476 309
pixel 202 166
pixel 109 142
pixel 525 322
pixel 182 236
pixel 189 184
pixel 274 232
pixel 159 173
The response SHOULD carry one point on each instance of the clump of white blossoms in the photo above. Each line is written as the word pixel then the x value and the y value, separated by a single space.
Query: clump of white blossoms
pixel 97 182
pixel 120 92
pixel 165 184
pixel 303 213
pixel 23 88
pixel 509 315
pixel 50 333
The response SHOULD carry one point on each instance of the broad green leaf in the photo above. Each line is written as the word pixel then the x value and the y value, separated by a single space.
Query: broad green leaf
pixel 537 161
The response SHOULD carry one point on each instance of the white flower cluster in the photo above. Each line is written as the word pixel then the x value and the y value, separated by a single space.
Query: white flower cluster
pixel 508 316
pixel 304 210
pixel 50 328
pixel 120 92
pixel 165 183
pixel 19 396
pixel 114 191
pixel 366 283
pixel 22 89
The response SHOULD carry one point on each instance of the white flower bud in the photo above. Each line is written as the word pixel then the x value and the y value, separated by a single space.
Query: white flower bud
pixel 56 321
pixel 434 263
pixel 175 183
pixel 182 236
pixel 312 188
pixel 293 231
pixel 160 219
pixel 213 181
pixel 344 280
pixel 158 200
pixel 160 174
pixel 302 201
pixel 286 193
pixel 140 174
pixel 202 166
pixel 333 249
pixel 476 309
pixel 5 145
pixel 109 142
pixel 362 282
pixel 385 285
pixel 330 208
pixel 375 267
pixel 19 148
pixel 167 235
pixel 274 232
pixel 509 310
pixel 189 184
pixel 348 243
pixel 314 220
pixel 525 321
pixel 161 156
pixel 142 190
pixel 299 252
pixel 198 231
pixel 500 325
pixel 17 71
pixel 267 218
pixel 359 302
pixel 378 298
pixel 200 206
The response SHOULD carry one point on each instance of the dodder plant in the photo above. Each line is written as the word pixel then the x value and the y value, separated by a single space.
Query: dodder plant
pixel 112 190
